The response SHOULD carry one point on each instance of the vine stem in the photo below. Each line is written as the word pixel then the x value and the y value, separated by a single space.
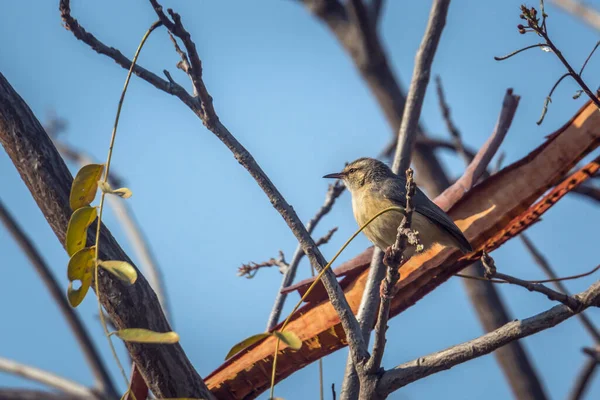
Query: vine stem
pixel 101 206
pixel 312 286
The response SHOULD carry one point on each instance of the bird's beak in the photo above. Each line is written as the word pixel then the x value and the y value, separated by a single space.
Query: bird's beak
pixel 337 175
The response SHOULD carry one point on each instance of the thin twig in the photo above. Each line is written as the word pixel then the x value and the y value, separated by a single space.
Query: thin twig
pixel 333 192
pixel 422 367
pixel 418 85
pixel 514 53
pixel 543 263
pixel 549 98
pixel 46 378
pixel 452 129
pixel 393 259
pixel 490 268
pixel 532 281
pixel 91 354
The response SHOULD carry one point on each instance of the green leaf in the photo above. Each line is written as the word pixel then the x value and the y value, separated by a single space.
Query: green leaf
pixel 80 220
pixel 85 185
pixel 121 269
pixel 289 338
pixel 245 344
pixel 139 335
pixel 80 269
pixel 124 193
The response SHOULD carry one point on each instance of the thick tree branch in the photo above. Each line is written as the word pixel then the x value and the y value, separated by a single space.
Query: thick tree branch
pixel 49 181
pixel 417 369
pixel 93 358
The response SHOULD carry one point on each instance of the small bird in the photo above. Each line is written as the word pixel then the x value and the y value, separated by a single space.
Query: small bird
pixel 374 187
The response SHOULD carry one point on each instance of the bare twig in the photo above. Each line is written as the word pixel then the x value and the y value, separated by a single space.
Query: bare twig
pixel 418 85
pixel 412 371
pixel 530 15
pixel 452 129
pixel 250 270
pixel 46 378
pixel 584 378
pixel 333 192
pixel 490 272
pixel 103 379
pixel 393 259
pixel 543 263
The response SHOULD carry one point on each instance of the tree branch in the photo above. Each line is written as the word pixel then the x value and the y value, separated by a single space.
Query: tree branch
pixel 418 85
pixel 46 378
pixel 93 358
pixel 412 371
pixel 49 181
pixel 490 272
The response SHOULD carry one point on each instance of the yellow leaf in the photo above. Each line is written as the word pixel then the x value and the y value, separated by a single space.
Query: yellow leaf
pixel 289 338
pixel 124 193
pixel 81 263
pixel 121 269
pixel 81 219
pixel 76 296
pixel 245 344
pixel 80 269
pixel 85 185
pixel 139 335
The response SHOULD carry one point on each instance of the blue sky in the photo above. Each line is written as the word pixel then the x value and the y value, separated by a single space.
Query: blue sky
pixel 288 92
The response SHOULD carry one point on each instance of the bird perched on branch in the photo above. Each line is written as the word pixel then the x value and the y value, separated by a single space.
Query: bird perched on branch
pixel 374 187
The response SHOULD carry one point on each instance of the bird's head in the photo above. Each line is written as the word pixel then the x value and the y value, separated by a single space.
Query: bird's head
pixel 362 172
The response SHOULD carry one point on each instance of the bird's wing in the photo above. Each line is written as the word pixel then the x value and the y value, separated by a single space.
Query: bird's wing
pixel 395 190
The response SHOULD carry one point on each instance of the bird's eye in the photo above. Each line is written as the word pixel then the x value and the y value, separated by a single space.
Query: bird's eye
pixel 352 170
